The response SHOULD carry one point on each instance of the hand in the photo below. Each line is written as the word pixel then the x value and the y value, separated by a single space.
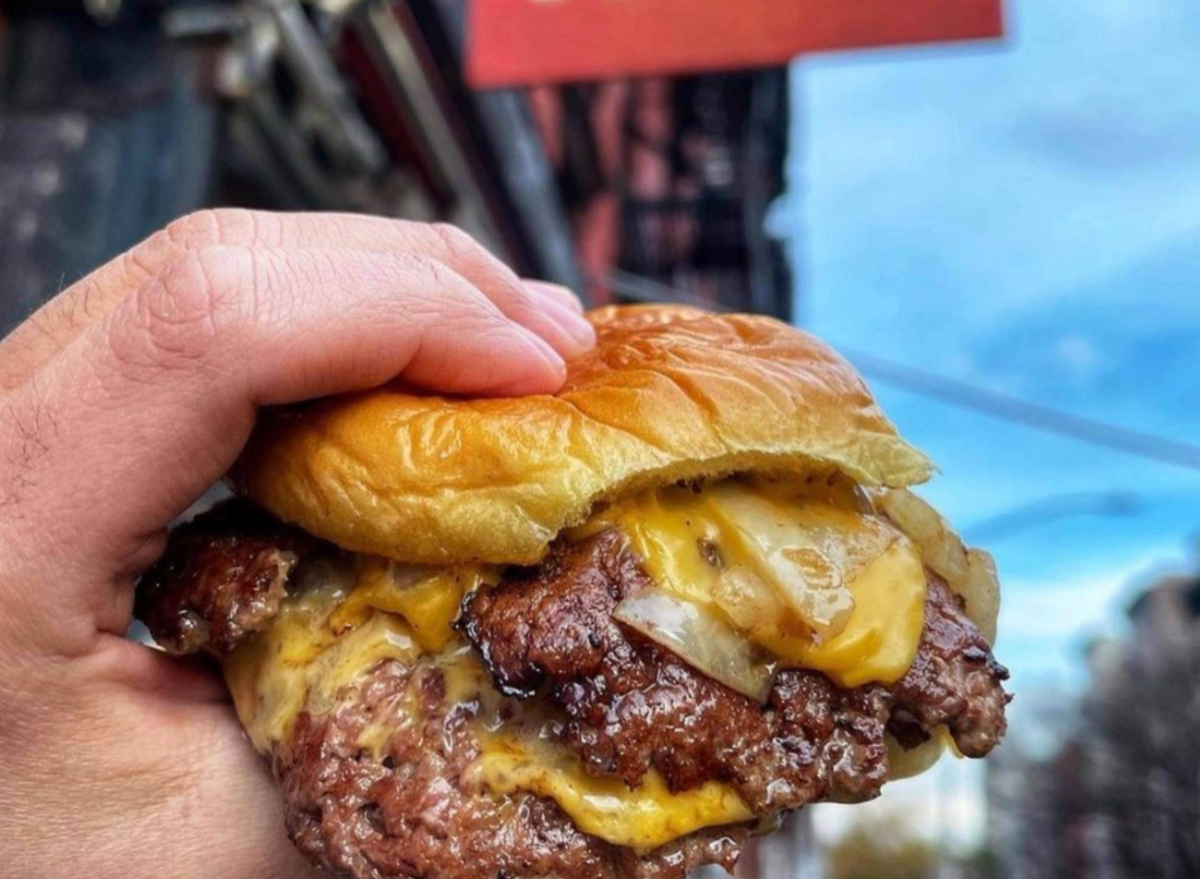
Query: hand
pixel 121 401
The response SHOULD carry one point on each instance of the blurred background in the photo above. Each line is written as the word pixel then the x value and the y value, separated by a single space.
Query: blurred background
pixel 994 213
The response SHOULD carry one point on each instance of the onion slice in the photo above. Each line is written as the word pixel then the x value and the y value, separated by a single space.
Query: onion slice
pixel 699 638
pixel 970 573
pixel 806 549
pixel 909 763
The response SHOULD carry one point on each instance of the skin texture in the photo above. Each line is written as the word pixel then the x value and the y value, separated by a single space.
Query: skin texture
pixel 120 402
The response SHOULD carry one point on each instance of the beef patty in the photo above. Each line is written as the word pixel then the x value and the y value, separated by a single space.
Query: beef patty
pixel 222 577
pixel 407 811
pixel 631 705
pixel 625 705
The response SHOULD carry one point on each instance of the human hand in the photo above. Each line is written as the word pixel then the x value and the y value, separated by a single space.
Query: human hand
pixel 121 401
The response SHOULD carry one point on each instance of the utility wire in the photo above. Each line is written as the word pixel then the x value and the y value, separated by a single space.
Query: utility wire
pixel 968 396
pixel 959 393
pixel 1060 506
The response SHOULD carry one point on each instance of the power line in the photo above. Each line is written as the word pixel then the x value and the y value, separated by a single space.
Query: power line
pixel 968 396
pixel 1048 509
pixel 960 393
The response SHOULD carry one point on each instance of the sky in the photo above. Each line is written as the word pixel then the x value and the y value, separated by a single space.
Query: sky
pixel 1026 217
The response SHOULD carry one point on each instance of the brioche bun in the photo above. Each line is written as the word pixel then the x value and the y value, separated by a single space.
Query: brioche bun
pixel 668 393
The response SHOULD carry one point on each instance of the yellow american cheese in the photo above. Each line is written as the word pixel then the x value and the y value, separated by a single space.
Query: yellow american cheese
pixel 428 600
pixel 321 641
pixel 883 571
pixel 338 629
pixel 643 818
pixel 299 664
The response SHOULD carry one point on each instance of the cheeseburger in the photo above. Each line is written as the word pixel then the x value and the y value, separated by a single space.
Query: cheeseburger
pixel 613 632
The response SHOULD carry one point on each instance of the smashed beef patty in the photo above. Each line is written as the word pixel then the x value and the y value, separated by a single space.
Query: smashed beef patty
pixel 626 704
pixel 221 577
pixel 406 811
pixel 632 705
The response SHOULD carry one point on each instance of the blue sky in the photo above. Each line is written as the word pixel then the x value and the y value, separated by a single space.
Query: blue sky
pixel 1025 217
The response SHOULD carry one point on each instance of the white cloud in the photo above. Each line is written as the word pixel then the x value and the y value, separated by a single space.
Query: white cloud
pixel 1057 609
pixel 948 201
pixel 1079 356
pixel 946 805
pixel 964 185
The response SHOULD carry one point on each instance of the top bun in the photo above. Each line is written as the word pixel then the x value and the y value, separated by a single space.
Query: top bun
pixel 668 394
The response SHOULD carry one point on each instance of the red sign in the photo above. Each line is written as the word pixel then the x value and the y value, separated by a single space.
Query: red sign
pixel 522 42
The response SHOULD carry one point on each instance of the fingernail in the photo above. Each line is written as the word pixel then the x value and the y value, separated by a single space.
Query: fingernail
pixel 556 293
pixel 543 350
pixel 576 334
pixel 579 332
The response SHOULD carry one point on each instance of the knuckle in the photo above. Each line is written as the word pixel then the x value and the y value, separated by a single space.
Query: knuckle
pixel 440 276
pixel 457 243
pixel 214 226
pixel 181 314
pixel 148 257
pixel 424 272
pixel 434 292
pixel 493 278
pixel 193 230
pixel 431 280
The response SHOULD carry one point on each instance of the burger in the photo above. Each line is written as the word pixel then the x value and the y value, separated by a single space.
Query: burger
pixel 612 632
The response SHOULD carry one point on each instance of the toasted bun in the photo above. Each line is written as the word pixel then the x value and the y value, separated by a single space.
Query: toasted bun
pixel 667 394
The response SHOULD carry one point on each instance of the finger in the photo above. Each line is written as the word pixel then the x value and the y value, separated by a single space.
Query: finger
pixel 150 405
pixel 567 332
pixel 556 308
pixel 65 316
pixel 555 293
pixel 150 671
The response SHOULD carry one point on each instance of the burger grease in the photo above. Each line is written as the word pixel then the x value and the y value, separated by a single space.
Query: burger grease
pixel 479 605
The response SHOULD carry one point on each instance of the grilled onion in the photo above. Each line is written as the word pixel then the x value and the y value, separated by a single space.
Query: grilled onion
pixel 970 573
pixel 981 592
pixel 699 638
pixel 809 551
pixel 910 762
pixel 940 547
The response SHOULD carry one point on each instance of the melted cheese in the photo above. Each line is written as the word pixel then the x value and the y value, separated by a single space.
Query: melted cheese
pixel 721 547
pixel 466 680
pixel 299 665
pixel 428 600
pixel 334 632
pixel 881 639
pixel 643 818
pixel 747 529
